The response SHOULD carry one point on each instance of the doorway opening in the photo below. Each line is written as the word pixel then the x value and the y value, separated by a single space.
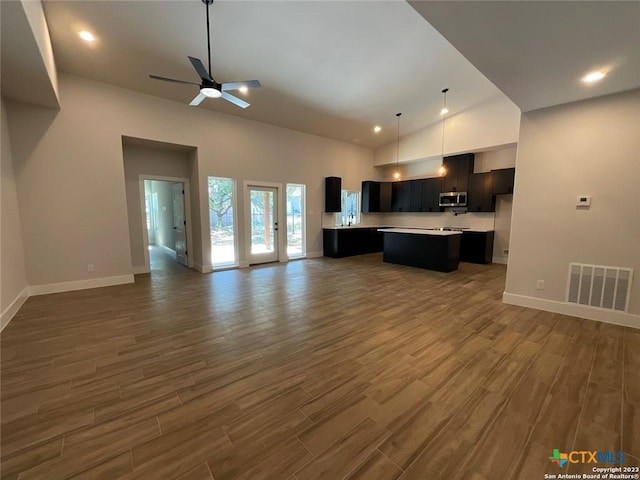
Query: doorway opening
pixel 165 219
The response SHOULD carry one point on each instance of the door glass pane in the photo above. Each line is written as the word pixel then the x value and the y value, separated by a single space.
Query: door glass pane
pixel 262 222
pixel 221 217
pixel 295 220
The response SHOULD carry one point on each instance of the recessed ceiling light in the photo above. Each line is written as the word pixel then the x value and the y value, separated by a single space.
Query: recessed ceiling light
pixel 444 111
pixel 377 129
pixel 593 77
pixel 243 89
pixel 87 36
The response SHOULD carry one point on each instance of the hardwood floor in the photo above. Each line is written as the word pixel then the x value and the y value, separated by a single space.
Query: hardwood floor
pixel 316 369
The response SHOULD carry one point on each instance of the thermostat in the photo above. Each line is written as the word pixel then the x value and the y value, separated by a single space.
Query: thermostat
pixel 583 201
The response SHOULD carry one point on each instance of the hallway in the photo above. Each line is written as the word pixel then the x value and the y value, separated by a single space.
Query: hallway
pixel 163 262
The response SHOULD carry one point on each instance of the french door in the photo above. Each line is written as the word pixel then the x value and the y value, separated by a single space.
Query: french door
pixel 263 228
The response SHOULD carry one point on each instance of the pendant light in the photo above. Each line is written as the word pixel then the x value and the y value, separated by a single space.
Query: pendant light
pixel 396 175
pixel 442 170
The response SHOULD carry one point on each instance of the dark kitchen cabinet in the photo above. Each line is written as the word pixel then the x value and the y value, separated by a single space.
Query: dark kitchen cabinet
pixel 332 194
pixel 370 197
pixel 416 195
pixel 503 181
pixel 345 242
pixel 401 197
pixel 385 196
pixel 480 196
pixel 431 189
pixel 458 167
pixel 476 247
pixel 376 197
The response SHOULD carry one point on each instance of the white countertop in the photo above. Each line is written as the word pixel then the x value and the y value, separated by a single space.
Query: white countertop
pixel 352 227
pixel 411 229
pixel 419 231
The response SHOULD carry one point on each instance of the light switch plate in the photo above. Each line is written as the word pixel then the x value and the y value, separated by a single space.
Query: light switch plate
pixel 583 201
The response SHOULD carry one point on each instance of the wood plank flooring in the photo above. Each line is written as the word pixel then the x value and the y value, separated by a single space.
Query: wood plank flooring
pixel 316 369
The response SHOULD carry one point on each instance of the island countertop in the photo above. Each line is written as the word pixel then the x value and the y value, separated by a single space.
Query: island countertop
pixel 420 231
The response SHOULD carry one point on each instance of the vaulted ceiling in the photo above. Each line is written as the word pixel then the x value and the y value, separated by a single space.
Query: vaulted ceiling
pixel 338 68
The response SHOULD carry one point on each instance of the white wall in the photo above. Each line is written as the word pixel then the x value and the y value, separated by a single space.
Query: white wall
pixel 38 22
pixel 71 181
pixel 148 159
pixel 28 66
pixel 13 283
pixel 495 159
pixel 485 126
pixel 165 232
pixel 590 147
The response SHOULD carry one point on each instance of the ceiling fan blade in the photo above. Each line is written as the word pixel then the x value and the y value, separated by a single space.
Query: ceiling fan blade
pixel 165 79
pixel 198 100
pixel 238 101
pixel 236 85
pixel 197 64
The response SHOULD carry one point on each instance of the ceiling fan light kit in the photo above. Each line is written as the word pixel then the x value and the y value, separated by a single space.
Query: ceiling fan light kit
pixel 211 92
pixel 209 88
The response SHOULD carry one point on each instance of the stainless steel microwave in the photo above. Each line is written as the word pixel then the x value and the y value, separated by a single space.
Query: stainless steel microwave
pixel 453 199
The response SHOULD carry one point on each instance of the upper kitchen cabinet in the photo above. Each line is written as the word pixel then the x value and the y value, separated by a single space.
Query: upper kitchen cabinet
pixel 431 189
pixel 401 197
pixel 385 196
pixel 503 181
pixel 332 194
pixel 417 186
pixel 370 197
pixel 376 197
pixel 480 195
pixel 458 167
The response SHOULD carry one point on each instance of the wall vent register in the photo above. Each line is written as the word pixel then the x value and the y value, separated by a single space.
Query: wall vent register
pixel 599 286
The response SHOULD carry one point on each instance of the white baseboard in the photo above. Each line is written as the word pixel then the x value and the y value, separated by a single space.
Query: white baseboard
pixel 141 270
pixel 574 310
pixel 80 284
pixel 12 309
pixel 202 268
pixel 500 260
pixel 314 254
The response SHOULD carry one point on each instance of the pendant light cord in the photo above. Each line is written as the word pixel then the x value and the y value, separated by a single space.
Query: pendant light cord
pixel 398 145
pixel 444 115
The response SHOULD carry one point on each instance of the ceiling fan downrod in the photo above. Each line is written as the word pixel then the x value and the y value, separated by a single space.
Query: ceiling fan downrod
pixel 208 3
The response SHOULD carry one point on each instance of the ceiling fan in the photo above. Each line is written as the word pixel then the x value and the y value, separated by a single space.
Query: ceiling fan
pixel 209 88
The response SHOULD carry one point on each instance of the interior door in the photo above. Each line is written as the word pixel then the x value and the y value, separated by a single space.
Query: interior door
pixel 263 215
pixel 179 224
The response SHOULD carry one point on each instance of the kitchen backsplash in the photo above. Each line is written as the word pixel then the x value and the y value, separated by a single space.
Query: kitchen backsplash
pixel 481 221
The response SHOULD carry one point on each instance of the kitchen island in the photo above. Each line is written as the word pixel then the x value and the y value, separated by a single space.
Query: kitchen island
pixel 437 250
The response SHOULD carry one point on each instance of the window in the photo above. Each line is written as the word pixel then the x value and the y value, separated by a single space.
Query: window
pixel 296 220
pixel 222 221
pixel 350 214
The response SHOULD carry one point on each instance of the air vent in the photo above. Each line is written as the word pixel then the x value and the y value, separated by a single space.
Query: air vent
pixel 599 286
